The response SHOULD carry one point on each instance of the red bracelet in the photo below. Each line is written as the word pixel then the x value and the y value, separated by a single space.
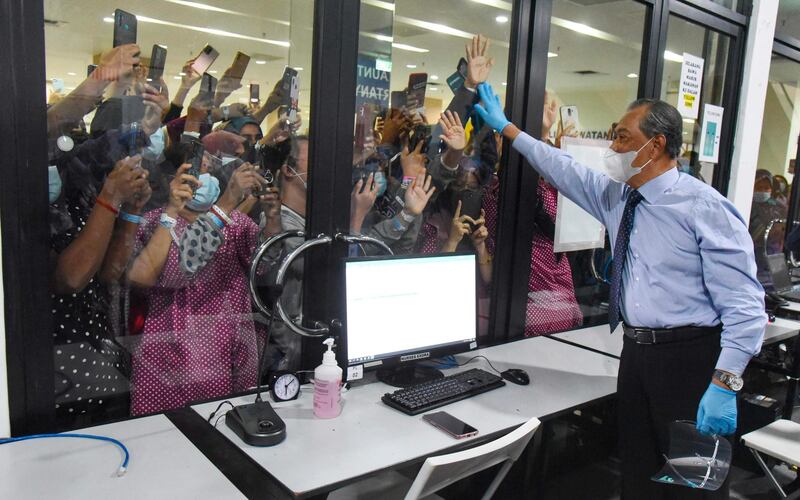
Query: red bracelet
pixel 107 205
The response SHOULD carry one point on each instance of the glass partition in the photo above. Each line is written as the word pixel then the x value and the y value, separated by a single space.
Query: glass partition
pixel 592 76
pixel 176 146
pixel 711 50
pixel 425 171
pixel 777 156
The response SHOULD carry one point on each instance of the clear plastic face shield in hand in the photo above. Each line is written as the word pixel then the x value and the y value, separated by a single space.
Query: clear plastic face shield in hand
pixel 695 460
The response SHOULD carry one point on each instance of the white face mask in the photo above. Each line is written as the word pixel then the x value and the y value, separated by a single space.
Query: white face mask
pixel 619 166
pixel 299 176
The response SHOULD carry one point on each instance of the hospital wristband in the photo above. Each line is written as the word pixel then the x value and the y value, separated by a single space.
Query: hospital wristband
pixel 133 219
pixel 216 220
pixel 221 214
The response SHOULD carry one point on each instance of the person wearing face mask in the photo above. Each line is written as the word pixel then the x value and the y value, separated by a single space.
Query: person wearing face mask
pixel 199 338
pixel 684 283
pixel 764 210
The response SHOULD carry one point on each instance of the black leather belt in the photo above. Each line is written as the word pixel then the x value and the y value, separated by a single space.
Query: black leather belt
pixel 648 336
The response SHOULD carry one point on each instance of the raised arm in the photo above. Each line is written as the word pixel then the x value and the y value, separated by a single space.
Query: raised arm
pixel 584 186
pixel 148 265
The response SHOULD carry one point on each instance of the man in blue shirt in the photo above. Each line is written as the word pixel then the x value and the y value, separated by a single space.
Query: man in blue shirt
pixel 683 285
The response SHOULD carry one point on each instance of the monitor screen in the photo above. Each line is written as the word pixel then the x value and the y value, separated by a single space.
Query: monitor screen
pixel 405 305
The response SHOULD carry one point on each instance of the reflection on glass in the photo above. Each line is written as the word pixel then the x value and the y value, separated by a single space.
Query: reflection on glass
pixel 175 146
pixel 777 156
pixel 592 76
pixel 424 169
pixel 788 19
pixel 712 48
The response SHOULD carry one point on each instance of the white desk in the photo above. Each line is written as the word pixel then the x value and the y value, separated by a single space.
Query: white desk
pixel 598 338
pixel 781 329
pixel 163 464
pixel 319 455
pixel 594 337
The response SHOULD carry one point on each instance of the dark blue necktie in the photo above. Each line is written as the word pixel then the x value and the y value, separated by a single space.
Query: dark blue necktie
pixel 620 255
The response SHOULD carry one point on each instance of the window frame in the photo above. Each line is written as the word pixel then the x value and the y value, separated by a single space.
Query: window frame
pixel 335 48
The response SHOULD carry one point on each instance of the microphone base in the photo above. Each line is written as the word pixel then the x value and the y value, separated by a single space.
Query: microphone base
pixel 256 424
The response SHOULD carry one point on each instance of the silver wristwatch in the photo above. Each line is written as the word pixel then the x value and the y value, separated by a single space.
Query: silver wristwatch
pixel 733 381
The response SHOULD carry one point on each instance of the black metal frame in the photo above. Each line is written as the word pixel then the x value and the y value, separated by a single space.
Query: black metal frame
pixel 335 48
pixel 23 213
pixel 330 159
pixel 699 12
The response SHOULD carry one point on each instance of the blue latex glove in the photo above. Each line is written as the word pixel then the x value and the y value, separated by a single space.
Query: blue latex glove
pixel 717 411
pixel 490 109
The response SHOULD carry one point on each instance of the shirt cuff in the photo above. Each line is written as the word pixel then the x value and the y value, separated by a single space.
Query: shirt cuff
pixel 733 360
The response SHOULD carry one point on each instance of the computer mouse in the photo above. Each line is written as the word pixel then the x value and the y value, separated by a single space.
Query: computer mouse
pixel 516 376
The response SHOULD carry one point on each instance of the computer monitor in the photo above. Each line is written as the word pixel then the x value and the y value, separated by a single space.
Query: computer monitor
pixel 401 310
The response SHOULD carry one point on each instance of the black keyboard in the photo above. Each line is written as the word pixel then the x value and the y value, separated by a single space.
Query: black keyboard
pixel 429 395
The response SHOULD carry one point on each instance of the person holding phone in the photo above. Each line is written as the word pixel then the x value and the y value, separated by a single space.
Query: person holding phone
pixel 90 227
pixel 199 339
pixel 683 282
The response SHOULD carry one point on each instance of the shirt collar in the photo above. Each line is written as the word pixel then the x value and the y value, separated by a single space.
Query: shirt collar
pixel 654 188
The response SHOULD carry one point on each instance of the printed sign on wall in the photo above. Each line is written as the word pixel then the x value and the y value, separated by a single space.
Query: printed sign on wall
pixel 690 85
pixel 712 130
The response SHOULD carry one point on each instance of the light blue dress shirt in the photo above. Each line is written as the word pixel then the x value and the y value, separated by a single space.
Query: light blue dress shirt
pixel 690 259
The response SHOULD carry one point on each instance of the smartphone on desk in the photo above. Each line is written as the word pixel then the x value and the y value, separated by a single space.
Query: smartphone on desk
pixel 450 424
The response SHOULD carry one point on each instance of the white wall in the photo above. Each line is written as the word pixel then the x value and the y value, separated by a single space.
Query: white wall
pixel 751 104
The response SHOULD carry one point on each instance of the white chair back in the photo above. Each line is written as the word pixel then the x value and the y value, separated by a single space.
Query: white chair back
pixel 438 472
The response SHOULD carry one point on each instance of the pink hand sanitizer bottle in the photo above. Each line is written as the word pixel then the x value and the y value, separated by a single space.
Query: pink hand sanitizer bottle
pixel 327 385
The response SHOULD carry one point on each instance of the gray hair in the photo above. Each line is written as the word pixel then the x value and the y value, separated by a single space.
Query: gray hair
pixel 661 119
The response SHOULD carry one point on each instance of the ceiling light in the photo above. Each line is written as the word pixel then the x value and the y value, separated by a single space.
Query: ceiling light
pixel 504 84
pixel 633 75
pixel 501 19
pixel 261 61
pixel 176 78
pixel 182 73
pixel 212 8
pixel 435 27
pixel 108 19
pixel 434 77
pixel 71 73
pixel 379 4
pixel 672 56
pixel 587 30
pixel 212 31
pixel 409 48
pixel 500 4
pixel 411 66
pixel 687 120
pixel 298 69
pixel 212 71
pixel 552 54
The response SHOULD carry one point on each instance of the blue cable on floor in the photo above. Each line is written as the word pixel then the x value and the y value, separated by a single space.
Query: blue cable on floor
pixel 122 468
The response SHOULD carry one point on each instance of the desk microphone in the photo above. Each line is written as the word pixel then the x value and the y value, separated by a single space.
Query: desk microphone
pixel 257 423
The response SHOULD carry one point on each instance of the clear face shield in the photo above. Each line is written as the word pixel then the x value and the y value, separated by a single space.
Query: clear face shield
pixel 695 460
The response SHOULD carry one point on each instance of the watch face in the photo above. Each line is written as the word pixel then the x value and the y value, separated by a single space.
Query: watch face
pixel 285 387
pixel 735 383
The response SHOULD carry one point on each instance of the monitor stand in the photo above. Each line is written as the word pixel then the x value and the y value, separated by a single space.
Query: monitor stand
pixel 408 375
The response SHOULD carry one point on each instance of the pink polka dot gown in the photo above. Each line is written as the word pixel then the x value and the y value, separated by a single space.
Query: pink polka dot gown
pixel 199 339
pixel 552 306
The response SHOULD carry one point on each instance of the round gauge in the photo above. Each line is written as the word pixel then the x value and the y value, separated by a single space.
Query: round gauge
pixel 285 386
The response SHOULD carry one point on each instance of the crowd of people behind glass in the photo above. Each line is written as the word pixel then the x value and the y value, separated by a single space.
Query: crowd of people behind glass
pixel 156 208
